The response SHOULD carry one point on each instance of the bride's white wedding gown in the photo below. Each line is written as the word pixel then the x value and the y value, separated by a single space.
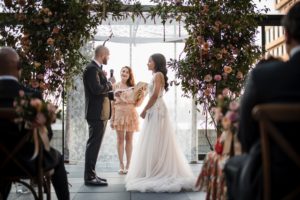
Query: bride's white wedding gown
pixel 158 164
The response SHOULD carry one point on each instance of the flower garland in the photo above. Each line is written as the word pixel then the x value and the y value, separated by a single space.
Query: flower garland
pixel 220 49
pixel 48 35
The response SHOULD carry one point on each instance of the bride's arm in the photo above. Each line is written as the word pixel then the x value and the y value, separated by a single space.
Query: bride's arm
pixel 158 84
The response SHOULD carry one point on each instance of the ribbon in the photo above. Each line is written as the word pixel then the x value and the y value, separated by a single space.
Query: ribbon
pixel 42 133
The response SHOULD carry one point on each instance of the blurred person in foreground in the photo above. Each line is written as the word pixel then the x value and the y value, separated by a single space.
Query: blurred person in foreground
pixel 11 134
pixel 269 82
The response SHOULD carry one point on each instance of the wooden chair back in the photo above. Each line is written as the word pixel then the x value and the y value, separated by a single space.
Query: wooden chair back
pixel 267 116
pixel 41 178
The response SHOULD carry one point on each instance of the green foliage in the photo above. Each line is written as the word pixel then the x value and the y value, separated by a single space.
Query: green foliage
pixel 220 49
pixel 48 35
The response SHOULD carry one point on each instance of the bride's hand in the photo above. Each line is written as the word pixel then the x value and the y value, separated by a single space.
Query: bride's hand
pixel 143 114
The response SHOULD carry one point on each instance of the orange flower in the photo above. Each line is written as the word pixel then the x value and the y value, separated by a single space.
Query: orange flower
pixel 208 78
pixel 50 41
pixel 226 123
pixel 55 30
pixel 36 64
pixel 205 8
pixel 227 69
pixel 205 46
pixel 207 91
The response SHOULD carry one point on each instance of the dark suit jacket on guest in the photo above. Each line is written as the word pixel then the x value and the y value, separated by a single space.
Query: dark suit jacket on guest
pixel 97 98
pixel 11 134
pixel 273 82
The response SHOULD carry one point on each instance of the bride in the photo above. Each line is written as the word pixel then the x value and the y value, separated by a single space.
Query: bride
pixel 158 164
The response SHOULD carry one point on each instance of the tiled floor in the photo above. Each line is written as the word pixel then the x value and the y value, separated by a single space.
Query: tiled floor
pixel 115 190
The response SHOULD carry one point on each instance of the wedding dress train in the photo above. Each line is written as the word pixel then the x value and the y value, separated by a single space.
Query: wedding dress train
pixel 158 164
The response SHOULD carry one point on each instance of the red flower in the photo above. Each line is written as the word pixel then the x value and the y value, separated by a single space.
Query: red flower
pixel 218 147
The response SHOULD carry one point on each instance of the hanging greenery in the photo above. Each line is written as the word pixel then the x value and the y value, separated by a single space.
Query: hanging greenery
pixel 48 35
pixel 220 49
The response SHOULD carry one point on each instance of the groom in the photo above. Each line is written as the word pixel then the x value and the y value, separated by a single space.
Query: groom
pixel 97 112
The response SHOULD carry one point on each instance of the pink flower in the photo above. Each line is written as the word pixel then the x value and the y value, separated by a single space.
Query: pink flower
pixel 225 92
pixel 233 106
pixel 217 114
pixel 217 77
pixel 21 93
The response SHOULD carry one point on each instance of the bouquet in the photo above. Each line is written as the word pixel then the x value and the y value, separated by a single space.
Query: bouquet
pixel 36 115
pixel 226 116
pixel 140 91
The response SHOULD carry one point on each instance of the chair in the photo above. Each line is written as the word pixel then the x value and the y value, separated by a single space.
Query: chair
pixel 267 115
pixel 42 178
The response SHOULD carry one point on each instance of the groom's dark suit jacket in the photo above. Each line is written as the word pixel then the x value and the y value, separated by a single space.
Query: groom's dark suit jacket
pixel 97 98
pixel 11 133
pixel 273 82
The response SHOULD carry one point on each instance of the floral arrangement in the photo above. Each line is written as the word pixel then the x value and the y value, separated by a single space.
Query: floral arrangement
pixel 36 114
pixel 48 35
pixel 226 116
pixel 34 111
pixel 220 49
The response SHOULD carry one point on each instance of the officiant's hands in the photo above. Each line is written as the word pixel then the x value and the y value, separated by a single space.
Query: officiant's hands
pixel 118 93
pixel 143 114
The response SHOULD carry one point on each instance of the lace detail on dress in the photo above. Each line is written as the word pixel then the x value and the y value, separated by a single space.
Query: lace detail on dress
pixel 125 116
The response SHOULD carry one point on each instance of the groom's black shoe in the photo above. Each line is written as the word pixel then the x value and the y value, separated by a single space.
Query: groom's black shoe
pixel 95 182
pixel 101 179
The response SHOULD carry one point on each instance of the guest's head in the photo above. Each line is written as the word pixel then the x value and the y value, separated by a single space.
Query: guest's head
pixel 291 23
pixel 127 76
pixel 102 54
pixel 270 58
pixel 9 62
pixel 157 63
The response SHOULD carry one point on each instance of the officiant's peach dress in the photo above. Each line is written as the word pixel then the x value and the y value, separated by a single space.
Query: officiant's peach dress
pixel 124 116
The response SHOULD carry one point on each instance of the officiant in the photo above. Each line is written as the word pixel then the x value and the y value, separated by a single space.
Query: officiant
pixel 125 119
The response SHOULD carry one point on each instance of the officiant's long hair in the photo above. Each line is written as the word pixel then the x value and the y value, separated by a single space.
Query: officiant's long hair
pixel 161 66
pixel 130 82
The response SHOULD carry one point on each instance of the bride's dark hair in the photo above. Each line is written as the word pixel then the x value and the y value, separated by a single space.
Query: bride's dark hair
pixel 160 66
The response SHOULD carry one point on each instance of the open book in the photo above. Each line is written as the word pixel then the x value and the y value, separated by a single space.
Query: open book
pixel 140 91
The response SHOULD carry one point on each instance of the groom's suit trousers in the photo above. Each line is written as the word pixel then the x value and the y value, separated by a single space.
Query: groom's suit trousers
pixel 96 133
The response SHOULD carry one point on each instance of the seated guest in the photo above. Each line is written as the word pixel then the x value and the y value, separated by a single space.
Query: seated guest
pixel 269 82
pixel 11 134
